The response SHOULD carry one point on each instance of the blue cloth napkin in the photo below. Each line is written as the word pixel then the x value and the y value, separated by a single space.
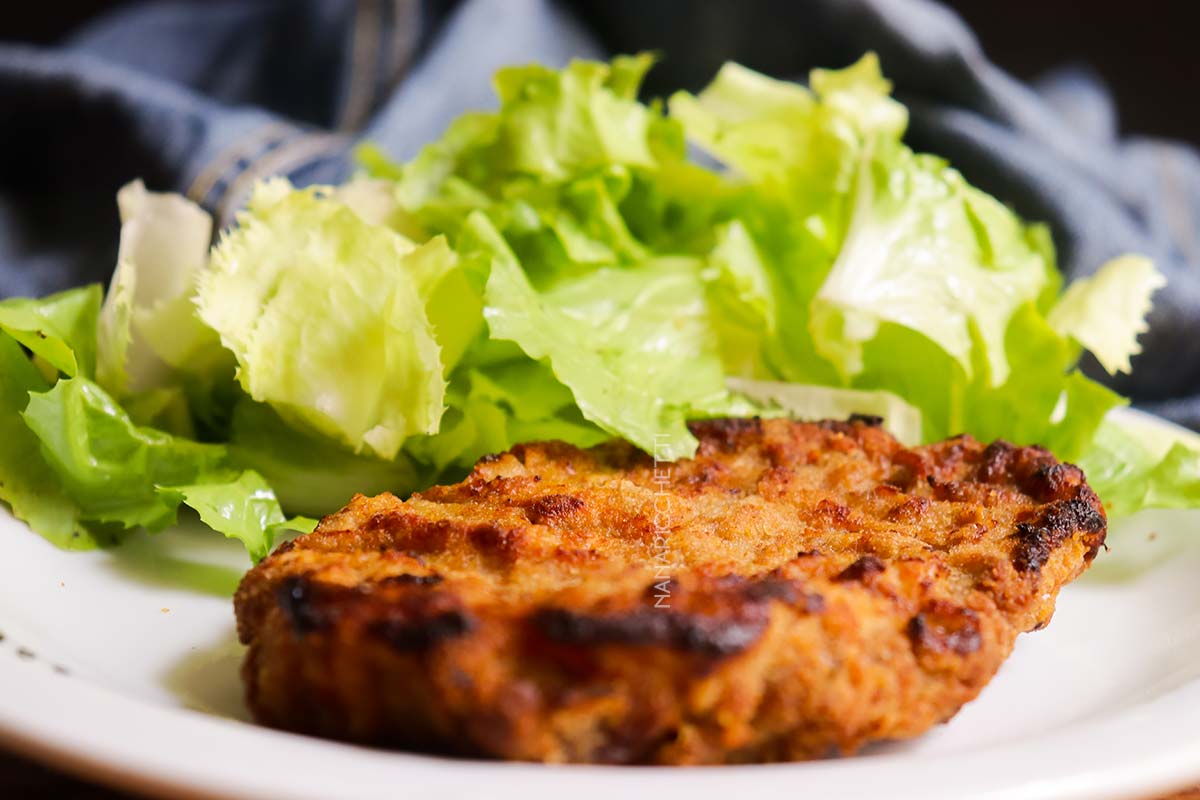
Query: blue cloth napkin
pixel 203 98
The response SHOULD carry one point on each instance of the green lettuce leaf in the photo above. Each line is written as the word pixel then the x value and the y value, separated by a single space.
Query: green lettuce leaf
pixel 550 169
pixel 561 269
pixel 633 346
pixel 496 405
pixel 1106 312
pixel 242 508
pixel 451 290
pixel 1044 399
pixel 556 122
pixel 28 483
pixel 312 474
pixel 110 467
pixel 888 267
pixel 324 313
pixel 378 202
pixel 121 476
pixel 1129 475
pixel 742 300
pixel 907 240
pixel 926 251
pixel 58 330
pixel 775 133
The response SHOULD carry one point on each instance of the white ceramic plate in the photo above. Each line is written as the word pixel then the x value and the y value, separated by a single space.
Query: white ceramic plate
pixel 122 666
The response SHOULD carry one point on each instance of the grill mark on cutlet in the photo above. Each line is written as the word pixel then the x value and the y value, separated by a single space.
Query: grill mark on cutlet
pixel 706 635
pixel 953 452
pixel 422 634
pixel 401 609
pixel 736 610
pixel 411 580
pixel 769 588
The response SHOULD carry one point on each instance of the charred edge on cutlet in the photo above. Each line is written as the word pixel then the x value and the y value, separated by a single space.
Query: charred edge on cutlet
pixel 773 586
pixel 1033 469
pixel 995 462
pixel 410 580
pixel 836 426
pixel 764 589
pixel 945 628
pixel 849 426
pixel 1036 541
pixel 864 568
pixel 285 547
pixel 1051 481
pixel 724 433
pixel 295 598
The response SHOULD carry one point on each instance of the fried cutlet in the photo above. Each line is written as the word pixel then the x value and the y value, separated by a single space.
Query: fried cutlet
pixel 795 590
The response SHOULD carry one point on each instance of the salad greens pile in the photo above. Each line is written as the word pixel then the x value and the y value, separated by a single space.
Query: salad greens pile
pixel 563 268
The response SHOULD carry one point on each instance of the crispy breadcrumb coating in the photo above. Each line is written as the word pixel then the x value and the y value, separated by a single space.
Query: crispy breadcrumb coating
pixel 793 591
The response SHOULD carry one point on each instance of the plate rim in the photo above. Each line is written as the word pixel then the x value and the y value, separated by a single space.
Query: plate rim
pixel 186 768
pixel 53 719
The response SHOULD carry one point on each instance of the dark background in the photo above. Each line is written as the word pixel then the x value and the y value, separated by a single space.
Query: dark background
pixel 1146 52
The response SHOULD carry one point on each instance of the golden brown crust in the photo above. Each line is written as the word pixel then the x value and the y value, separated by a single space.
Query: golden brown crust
pixel 795 590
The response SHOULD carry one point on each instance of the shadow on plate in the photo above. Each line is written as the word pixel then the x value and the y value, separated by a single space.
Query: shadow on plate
pixel 185 557
pixel 208 679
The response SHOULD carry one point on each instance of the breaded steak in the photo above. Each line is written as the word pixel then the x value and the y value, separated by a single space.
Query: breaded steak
pixel 795 590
